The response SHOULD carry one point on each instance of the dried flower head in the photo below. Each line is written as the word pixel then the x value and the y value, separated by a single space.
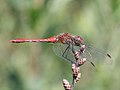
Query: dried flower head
pixel 66 84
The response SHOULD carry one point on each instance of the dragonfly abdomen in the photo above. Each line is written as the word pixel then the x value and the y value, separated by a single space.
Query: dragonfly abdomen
pixel 22 40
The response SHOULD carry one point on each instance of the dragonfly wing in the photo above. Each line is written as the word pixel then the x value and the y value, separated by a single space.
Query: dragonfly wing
pixel 64 51
pixel 97 55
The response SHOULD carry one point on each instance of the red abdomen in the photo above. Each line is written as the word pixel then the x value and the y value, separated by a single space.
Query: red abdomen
pixel 22 40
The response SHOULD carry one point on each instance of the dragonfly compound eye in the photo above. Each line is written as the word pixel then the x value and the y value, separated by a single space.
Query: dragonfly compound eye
pixel 78 40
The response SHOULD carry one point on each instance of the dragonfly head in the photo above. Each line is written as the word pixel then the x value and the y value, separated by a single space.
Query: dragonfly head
pixel 78 40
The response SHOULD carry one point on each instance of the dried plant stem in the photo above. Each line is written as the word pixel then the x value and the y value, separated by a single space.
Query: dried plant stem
pixel 75 68
pixel 76 77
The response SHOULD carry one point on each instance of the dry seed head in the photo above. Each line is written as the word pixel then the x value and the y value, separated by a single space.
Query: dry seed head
pixel 66 84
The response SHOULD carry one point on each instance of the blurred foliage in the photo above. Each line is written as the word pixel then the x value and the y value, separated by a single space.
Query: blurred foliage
pixel 33 66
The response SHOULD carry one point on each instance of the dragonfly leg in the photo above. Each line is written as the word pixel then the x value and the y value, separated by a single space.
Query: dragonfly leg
pixel 66 50
pixel 65 53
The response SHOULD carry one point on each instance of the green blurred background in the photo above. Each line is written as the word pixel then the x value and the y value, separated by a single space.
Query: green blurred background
pixel 34 66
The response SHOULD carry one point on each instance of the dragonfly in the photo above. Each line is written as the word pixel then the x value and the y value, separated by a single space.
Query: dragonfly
pixel 71 48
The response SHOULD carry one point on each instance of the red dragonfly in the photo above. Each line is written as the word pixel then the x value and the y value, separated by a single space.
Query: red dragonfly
pixel 71 48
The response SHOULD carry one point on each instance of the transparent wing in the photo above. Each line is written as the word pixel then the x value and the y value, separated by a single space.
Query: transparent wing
pixel 92 54
pixel 96 55
pixel 64 51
